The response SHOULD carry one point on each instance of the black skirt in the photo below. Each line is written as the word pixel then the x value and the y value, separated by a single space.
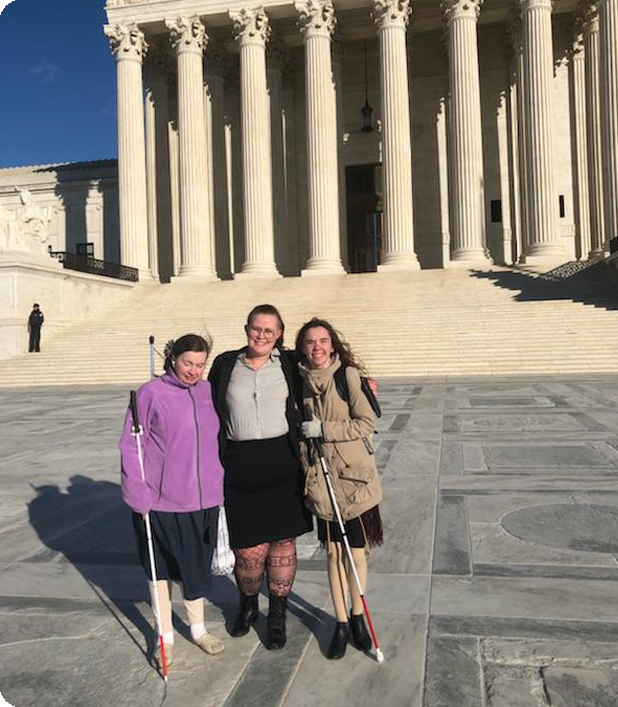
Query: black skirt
pixel 329 530
pixel 183 546
pixel 263 492
pixel 365 529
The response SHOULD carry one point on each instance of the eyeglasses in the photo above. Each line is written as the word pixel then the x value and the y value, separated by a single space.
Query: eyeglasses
pixel 267 334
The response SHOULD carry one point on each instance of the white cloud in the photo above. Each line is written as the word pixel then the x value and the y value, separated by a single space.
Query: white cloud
pixel 45 71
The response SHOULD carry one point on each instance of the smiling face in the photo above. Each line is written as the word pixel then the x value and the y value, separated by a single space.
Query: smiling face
pixel 263 332
pixel 318 347
pixel 189 367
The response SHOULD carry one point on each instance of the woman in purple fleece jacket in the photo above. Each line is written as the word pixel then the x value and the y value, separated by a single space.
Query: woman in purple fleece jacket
pixel 184 484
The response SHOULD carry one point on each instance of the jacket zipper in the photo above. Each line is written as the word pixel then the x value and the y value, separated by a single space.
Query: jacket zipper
pixel 197 444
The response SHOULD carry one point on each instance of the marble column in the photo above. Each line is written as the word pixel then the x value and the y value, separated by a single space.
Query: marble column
pixel 129 47
pixel 188 37
pixel 337 54
pixel 544 243
pixel 317 22
pixel 252 30
pixel 502 124
pixel 215 63
pixel 578 87
pixel 174 191
pixel 151 181
pixel 468 217
pixel 518 151
pixel 590 28
pixel 391 18
pixel 160 67
pixel 443 180
pixel 274 71
pixel 608 44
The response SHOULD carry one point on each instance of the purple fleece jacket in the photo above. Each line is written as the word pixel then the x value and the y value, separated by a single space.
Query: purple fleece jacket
pixel 181 451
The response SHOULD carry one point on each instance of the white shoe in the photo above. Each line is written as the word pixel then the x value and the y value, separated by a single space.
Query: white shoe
pixel 210 644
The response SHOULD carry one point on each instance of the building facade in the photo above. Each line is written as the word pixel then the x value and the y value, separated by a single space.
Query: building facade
pixel 242 152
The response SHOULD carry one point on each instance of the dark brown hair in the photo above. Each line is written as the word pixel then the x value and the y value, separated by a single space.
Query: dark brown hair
pixel 340 346
pixel 188 342
pixel 273 312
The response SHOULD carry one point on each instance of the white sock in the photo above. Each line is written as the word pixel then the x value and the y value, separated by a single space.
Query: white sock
pixel 168 638
pixel 197 631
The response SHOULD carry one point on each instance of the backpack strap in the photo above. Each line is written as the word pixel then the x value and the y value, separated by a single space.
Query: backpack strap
pixel 341 383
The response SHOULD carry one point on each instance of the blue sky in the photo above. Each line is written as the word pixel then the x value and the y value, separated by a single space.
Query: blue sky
pixel 58 81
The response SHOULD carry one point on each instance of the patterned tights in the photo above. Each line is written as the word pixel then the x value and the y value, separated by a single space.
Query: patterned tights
pixel 278 559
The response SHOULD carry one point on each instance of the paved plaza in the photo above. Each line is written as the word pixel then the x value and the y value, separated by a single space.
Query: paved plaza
pixel 496 587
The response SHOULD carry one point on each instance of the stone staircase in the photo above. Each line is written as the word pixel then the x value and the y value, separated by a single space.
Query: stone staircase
pixel 429 323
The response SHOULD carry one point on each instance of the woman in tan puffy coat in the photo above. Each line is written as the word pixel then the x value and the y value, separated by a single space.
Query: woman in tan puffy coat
pixel 345 427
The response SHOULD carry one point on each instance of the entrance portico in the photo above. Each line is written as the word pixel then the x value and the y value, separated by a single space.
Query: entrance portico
pixel 256 118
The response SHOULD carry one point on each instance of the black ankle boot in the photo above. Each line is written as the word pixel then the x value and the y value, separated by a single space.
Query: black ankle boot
pixel 276 623
pixel 360 635
pixel 339 641
pixel 247 614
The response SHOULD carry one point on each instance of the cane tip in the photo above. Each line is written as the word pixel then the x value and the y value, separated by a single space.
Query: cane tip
pixel 379 656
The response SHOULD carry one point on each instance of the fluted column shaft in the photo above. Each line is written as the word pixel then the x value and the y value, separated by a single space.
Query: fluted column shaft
pixel 215 122
pixel 151 178
pixel 543 234
pixel 129 47
pixel 391 18
pixel 275 59
pixel 337 60
pixel 608 41
pixel 593 125
pixel 581 150
pixel 468 222
pixel 252 31
pixel 317 22
pixel 189 38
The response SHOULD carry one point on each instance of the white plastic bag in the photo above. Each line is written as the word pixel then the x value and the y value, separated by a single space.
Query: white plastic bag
pixel 223 558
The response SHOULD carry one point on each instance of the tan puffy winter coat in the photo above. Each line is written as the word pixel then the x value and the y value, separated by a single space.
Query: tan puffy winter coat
pixel 347 428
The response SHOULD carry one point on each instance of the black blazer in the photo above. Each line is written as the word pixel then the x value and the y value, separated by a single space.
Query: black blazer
pixel 220 374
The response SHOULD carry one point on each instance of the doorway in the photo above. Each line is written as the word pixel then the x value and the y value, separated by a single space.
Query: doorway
pixel 364 216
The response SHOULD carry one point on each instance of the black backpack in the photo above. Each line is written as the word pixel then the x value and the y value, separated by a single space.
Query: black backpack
pixel 341 383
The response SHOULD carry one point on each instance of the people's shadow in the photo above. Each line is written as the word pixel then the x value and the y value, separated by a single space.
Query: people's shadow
pixel 90 527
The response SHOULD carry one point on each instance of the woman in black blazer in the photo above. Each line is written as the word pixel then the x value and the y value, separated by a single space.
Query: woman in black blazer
pixel 254 391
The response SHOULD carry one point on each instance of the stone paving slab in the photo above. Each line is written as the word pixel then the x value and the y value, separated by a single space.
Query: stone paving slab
pixel 496 586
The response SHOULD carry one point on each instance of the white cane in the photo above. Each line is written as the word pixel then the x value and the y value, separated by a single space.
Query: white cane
pixel 137 431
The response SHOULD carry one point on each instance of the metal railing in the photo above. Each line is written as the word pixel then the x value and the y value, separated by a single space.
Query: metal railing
pixel 86 263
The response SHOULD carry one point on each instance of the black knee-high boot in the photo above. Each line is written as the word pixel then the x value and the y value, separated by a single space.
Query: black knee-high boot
pixel 247 614
pixel 276 623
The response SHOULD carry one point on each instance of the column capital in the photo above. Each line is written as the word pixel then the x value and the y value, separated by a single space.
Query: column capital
pixel 126 41
pixel 461 10
pixel 316 18
pixel 251 25
pixel 575 51
pixel 527 5
pixel 588 16
pixel 391 13
pixel 187 34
